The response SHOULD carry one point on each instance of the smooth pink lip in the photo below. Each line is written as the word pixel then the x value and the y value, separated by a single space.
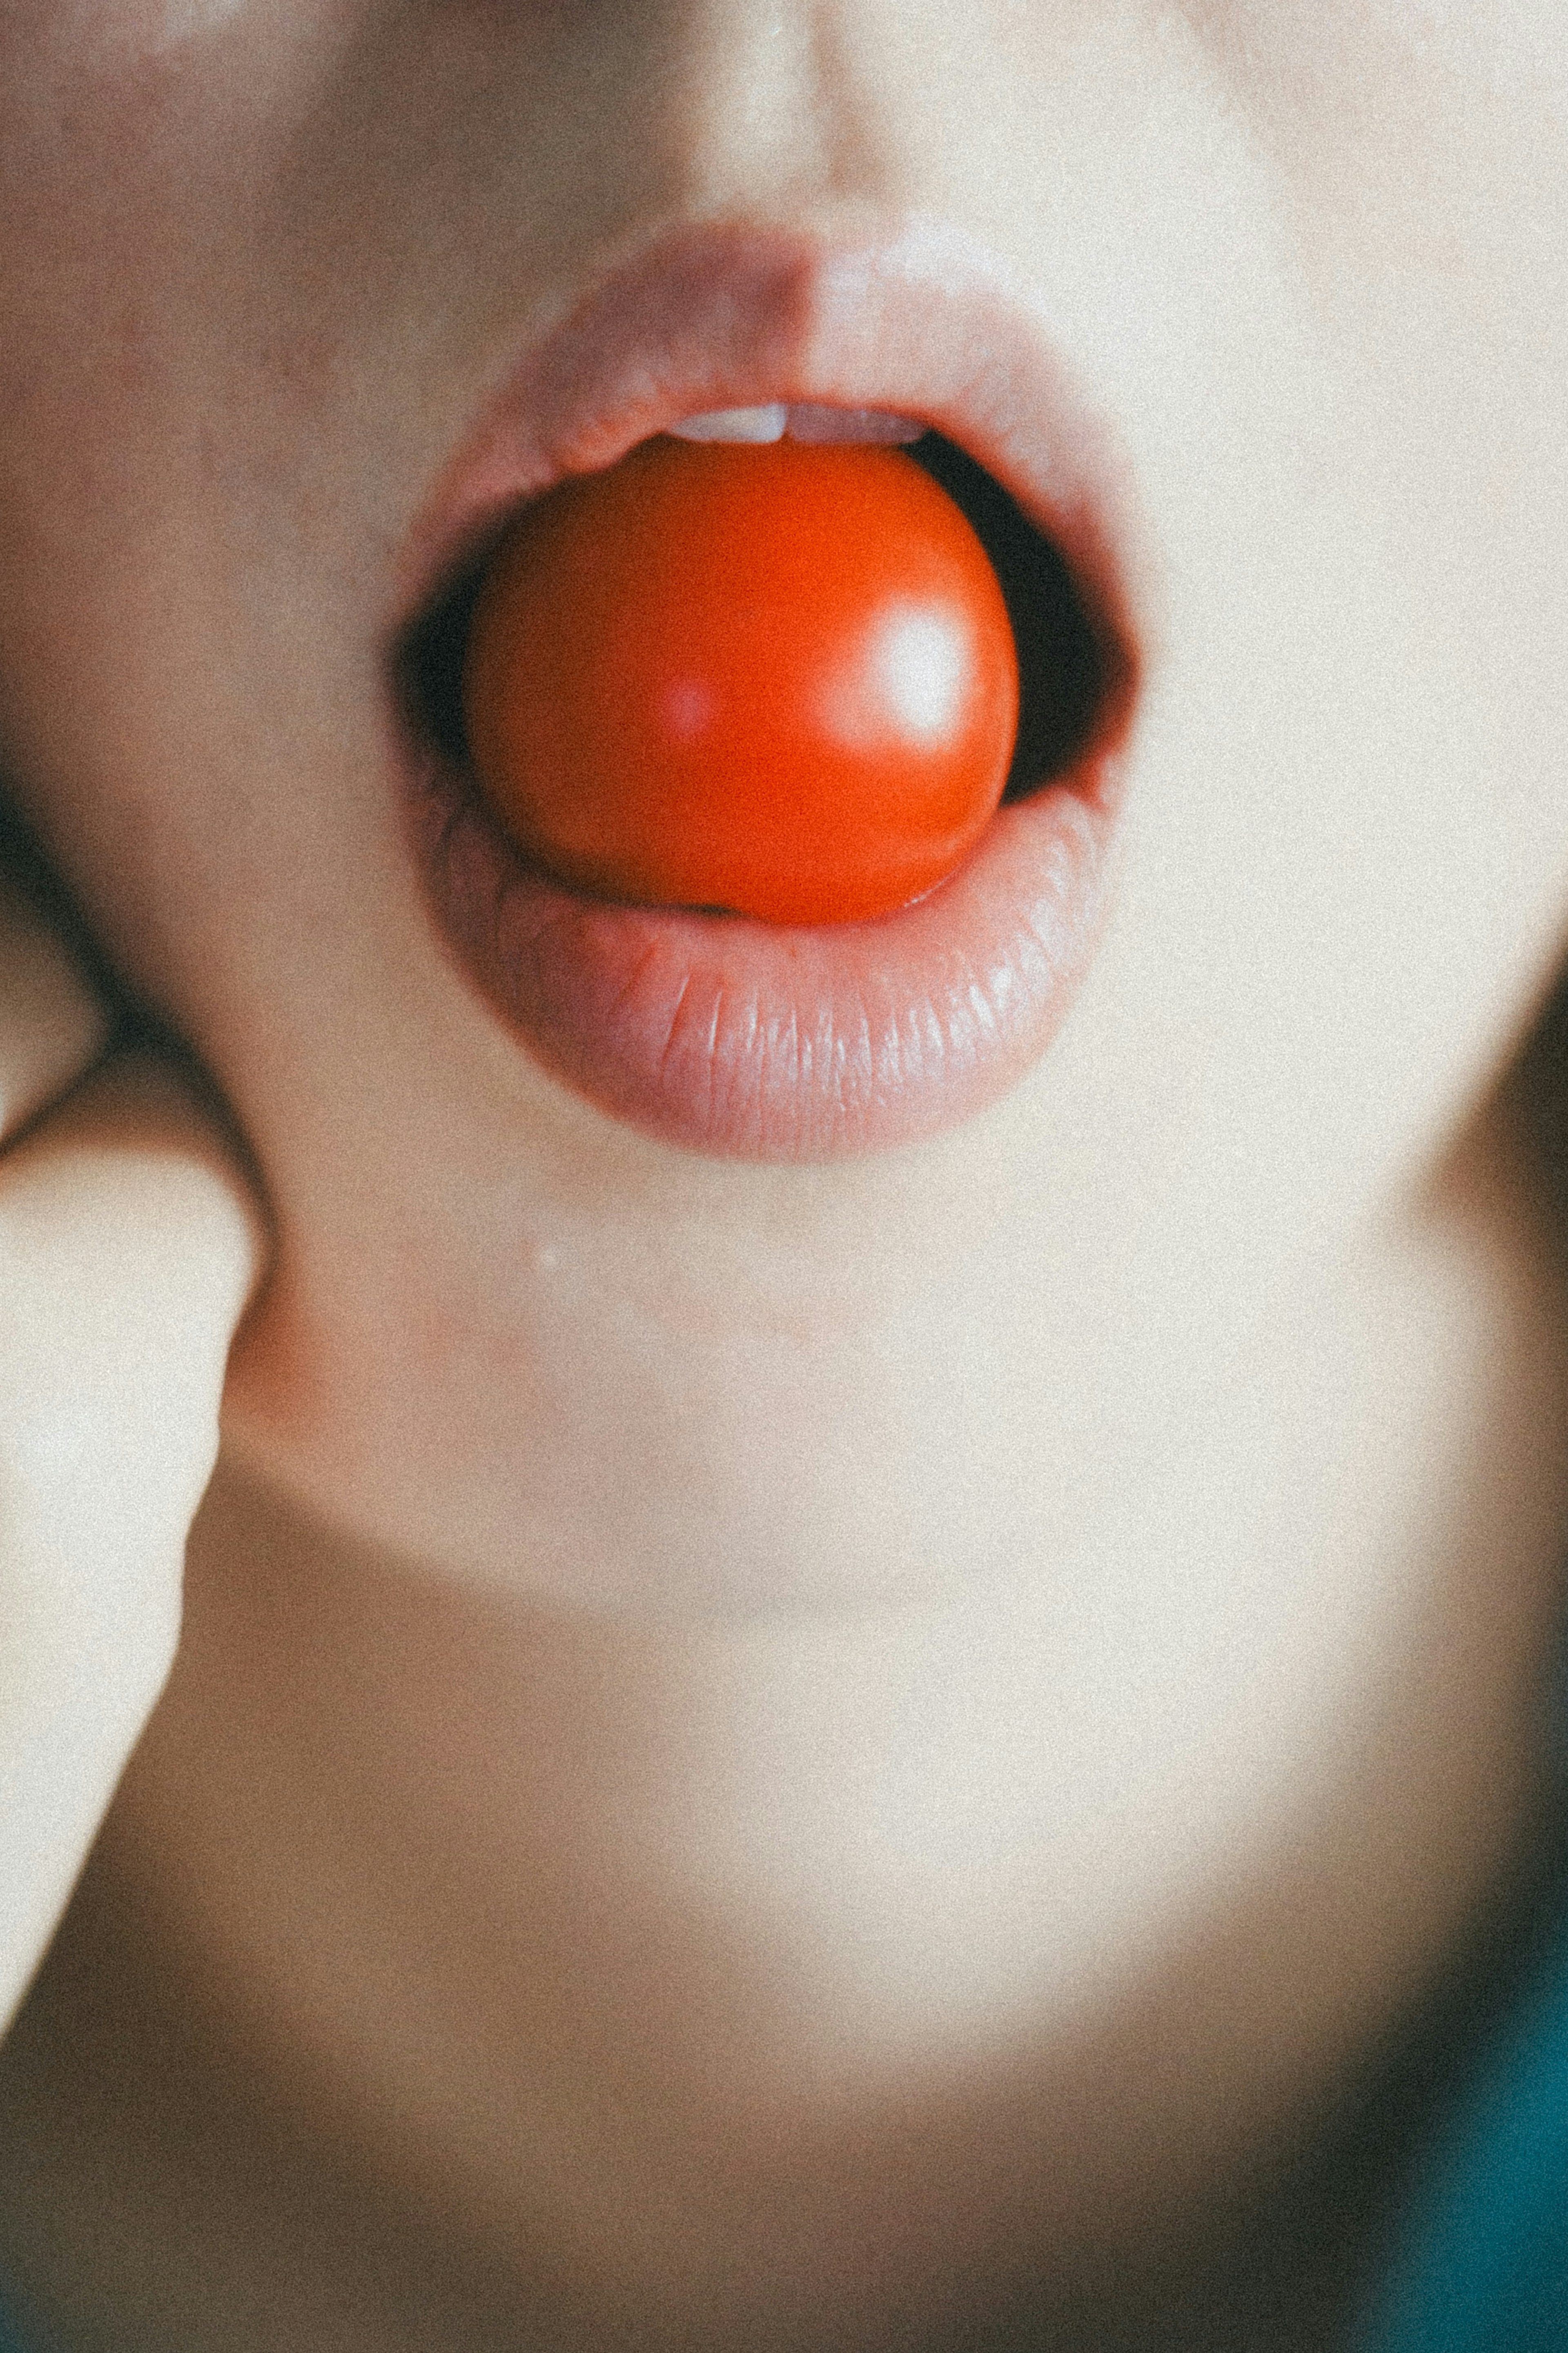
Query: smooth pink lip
pixel 726 1035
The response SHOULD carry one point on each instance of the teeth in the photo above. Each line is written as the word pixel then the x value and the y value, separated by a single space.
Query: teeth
pixel 734 425
pixel 806 421
pixel 812 422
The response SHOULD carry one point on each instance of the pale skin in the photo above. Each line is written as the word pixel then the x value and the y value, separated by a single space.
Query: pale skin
pixel 758 1752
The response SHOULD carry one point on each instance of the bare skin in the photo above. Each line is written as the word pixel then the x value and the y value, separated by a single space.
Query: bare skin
pixel 669 2083
pixel 127 1248
pixel 796 1757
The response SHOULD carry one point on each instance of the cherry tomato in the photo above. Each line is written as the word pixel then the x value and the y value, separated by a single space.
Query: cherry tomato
pixel 779 680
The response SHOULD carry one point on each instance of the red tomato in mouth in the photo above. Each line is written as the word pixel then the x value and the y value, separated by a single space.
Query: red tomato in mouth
pixel 777 681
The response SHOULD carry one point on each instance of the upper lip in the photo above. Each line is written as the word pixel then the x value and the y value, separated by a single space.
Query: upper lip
pixel 921 321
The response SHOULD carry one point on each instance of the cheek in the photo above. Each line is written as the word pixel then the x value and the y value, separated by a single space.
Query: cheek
pixel 1419 161
pixel 500 1330
pixel 1346 854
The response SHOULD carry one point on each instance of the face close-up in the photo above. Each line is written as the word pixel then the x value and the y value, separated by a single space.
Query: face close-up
pixel 289 296
pixel 1006 1253
pixel 277 283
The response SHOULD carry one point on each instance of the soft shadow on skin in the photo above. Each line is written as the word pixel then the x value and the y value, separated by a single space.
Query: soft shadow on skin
pixel 133 1026
pixel 145 2096
pixel 1537 1093
pixel 179 2149
pixel 103 2048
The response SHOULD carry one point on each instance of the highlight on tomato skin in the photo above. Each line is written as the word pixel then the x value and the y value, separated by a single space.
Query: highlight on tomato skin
pixel 778 680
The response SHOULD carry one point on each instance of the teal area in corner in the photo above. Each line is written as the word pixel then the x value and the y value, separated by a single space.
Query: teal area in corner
pixel 1482 2263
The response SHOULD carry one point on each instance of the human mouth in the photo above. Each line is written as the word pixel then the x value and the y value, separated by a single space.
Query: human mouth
pixel 719 1033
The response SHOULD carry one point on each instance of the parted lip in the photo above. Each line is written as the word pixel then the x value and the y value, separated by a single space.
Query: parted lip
pixel 722 1034
pixel 923 323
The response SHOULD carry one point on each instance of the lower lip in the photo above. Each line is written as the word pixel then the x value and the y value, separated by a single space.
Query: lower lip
pixel 749 1040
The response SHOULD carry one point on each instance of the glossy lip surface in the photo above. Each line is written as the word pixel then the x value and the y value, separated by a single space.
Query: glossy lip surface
pixel 717 1032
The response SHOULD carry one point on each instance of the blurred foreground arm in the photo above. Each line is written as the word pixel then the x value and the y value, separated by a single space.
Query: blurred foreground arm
pixel 127 1251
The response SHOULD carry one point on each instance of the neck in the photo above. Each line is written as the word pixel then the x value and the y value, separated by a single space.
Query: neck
pixel 786 1971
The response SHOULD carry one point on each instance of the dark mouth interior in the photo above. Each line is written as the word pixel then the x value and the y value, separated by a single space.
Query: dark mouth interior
pixel 1061 664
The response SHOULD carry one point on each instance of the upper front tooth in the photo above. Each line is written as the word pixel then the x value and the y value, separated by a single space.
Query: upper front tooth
pixel 813 421
pixel 734 425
